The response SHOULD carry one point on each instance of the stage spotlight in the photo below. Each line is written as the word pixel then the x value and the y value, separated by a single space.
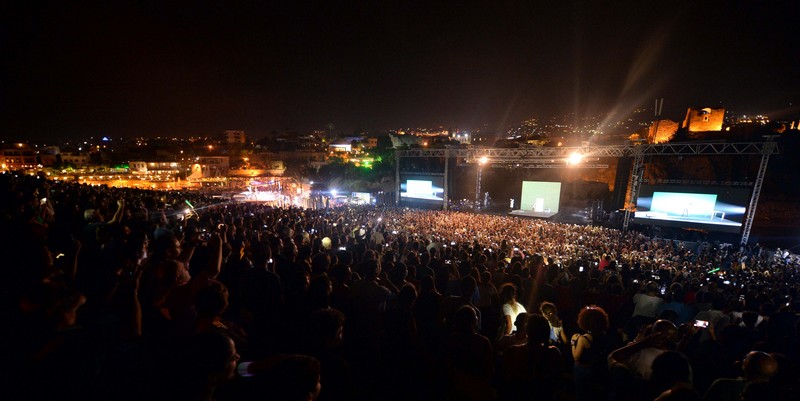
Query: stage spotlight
pixel 575 158
pixel 483 160
pixel 333 193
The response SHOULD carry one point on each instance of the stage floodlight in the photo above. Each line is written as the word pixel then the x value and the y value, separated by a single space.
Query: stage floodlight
pixel 575 158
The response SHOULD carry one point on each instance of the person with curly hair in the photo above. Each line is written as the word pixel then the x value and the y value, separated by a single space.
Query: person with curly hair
pixel 590 350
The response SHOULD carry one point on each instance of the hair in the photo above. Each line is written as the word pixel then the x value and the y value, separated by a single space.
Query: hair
pixel 522 320
pixel 759 366
pixel 205 354
pixel 212 300
pixel 293 378
pixel 318 290
pixel 427 284
pixel 669 368
pixel 262 253
pixel 371 268
pixel 162 245
pixel 538 329
pixel 465 319
pixel 750 318
pixel 486 277
pixel 507 292
pixel 407 296
pixel 325 323
pixel 593 319
pixel 468 285
pixel 547 305
pixel 320 263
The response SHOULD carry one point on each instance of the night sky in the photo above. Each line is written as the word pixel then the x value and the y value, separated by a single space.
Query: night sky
pixel 189 68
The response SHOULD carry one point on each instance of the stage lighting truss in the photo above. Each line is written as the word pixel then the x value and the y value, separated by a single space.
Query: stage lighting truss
pixel 589 157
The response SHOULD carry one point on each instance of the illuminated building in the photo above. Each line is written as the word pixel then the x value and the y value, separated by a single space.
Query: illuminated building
pixel 18 156
pixel 233 136
pixel 662 131
pixel 210 167
pixel 703 120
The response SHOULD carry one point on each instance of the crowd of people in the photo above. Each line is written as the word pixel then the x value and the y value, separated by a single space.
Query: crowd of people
pixel 128 294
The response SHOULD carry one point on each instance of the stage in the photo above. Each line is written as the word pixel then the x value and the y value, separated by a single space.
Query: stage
pixel 531 214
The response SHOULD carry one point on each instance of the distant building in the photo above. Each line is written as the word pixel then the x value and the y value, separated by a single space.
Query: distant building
pixel 154 167
pixel 399 141
pixel 274 168
pixel 75 159
pixel 233 136
pixel 47 160
pixel 211 166
pixel 462 138
pixel 49 156
pixel 703 120
pixel 370 143
pixel 20 156
pixel 140 166
pixel 662 131
pixel 340 147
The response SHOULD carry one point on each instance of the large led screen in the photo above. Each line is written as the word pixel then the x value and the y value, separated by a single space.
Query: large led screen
pixel 540 196
pixel 426 189
pixel 710 208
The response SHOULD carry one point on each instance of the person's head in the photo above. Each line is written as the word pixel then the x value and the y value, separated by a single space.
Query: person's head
pixel 486 277
pixel 326 327
pixel 341 274
pixel 212 300
pixel 427 285
pixel 593 319
pixel 407 296
pixel 320 263
pixel 759 366
pixel 294 378
pixel 508 293
pixel 166 247
pixel 521 322
pixel 668 314
pixel 372 268
pixel 92 215
pixel 667 329
pixel 320 288
pixel 669 368
pixel 465 319
pixel 468 285
pixel 210 359
pixel 548 310
pixel 173 273
pixel 537 328
pixel 750 318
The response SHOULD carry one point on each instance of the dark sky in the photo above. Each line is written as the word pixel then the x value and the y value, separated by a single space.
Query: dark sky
pixel 83 68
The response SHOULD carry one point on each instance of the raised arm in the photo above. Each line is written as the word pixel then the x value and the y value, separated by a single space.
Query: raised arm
pixel 120 212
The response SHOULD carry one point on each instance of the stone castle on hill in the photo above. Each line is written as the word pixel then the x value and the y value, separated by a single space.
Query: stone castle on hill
pixel 699 122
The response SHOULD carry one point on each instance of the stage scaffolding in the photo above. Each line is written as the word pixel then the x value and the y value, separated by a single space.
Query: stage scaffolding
pixel 591 155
